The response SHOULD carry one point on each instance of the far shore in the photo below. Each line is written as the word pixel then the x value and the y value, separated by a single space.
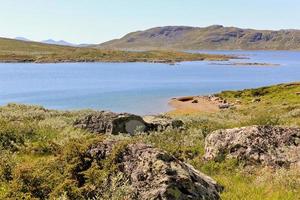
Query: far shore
pixel 248 64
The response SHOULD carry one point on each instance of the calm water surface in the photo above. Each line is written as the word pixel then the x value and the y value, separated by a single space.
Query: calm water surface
pixel 140 88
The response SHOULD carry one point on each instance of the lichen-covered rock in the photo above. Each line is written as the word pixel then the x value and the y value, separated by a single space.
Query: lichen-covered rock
pixel 113 123
pixel 154 174
pixel 268 145
pixel 161 123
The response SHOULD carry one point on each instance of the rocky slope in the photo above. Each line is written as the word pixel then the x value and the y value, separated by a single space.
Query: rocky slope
pixel 268 145
pixel 212 37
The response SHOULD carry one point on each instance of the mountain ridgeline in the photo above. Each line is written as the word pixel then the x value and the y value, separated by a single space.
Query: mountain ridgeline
pixel 214 37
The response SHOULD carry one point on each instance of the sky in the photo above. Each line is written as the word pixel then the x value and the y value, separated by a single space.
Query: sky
pixel 96 21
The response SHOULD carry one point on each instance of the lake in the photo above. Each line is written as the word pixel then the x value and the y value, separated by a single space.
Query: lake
pixel 141 88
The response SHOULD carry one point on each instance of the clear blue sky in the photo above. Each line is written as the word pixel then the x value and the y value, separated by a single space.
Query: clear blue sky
pixel 95 21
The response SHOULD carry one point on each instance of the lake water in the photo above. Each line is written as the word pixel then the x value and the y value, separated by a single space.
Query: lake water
pixel 140 88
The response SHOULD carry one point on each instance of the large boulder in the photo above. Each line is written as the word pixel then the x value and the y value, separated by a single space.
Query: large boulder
pixel 268 145
pixel 111 123
pixel 154 174
pixel 114 123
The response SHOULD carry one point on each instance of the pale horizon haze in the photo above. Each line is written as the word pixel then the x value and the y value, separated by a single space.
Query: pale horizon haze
pixel 97 21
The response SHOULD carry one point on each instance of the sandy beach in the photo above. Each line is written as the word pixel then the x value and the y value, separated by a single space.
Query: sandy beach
pixel 193 105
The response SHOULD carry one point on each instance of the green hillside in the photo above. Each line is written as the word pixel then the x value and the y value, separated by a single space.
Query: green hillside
pixel 21 51
pixel 213 37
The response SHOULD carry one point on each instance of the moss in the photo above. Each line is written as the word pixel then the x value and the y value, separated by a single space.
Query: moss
pixel 173 193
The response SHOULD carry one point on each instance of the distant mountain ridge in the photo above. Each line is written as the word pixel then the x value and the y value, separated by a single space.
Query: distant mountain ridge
pixel 54 42
pixel 22 39
pixel 216 37
pixel 57 42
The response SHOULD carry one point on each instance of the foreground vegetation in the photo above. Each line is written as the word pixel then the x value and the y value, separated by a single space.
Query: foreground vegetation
pixel 21 51
pixel 42 155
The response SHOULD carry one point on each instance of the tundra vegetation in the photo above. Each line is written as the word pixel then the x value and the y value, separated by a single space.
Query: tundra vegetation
pixel 42 156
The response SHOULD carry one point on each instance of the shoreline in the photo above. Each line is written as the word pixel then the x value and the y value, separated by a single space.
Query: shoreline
pixel 221 58
pixel 196 104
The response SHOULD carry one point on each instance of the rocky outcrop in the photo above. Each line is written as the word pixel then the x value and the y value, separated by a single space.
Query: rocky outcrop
pixel 268 145
pixel 113 123
pixel 161 123
pixel 154 174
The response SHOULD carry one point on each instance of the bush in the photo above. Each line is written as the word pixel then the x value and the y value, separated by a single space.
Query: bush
pixel 13 135
pixel 29 181
pixel 7 164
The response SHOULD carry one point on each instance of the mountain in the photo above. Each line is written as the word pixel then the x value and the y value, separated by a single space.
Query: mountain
pixel 22 39
pixel 55 42
pixel 216 37
pixel 58 42
pixel 64 43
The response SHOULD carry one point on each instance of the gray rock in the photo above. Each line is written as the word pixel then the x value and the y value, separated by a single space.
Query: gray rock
pixel 224 106
pixel 154 174
pixel 267 145
pixel 161 123
pixel 114 123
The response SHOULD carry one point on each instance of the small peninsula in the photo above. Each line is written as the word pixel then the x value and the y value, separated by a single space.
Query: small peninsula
pixel 14 51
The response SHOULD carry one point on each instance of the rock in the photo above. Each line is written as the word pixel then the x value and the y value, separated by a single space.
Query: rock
pixel 154 174
pixel 267 145
pixel 256 100
pixel 215 99
pixel 185 99
pixel 161 123
pixel 114 123
pixel 195 101
pixel 238 102
pixel 255 37
pixel 224 106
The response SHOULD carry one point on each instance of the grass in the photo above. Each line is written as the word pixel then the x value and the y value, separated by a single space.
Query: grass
pixel 42 155
pixel 21 51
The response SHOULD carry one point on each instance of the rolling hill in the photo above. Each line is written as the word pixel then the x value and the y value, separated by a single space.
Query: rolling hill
pixel 214 37
pixel 24 51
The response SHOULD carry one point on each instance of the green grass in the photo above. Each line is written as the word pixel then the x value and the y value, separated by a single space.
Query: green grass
pixel 42 155
pixel 20 51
